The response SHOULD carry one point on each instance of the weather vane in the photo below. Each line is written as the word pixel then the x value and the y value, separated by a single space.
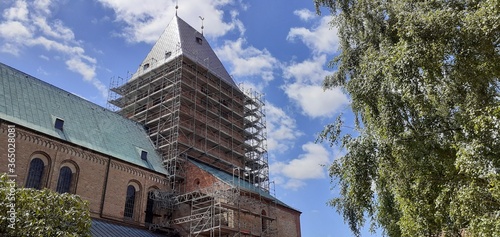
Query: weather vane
pixel 176 6
pixel 202 19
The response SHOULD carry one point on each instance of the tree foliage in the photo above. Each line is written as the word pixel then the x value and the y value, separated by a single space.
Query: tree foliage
pixel 41 212
pixel 423 77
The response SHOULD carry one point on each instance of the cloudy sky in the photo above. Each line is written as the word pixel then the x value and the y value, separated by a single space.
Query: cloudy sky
pixel 278 47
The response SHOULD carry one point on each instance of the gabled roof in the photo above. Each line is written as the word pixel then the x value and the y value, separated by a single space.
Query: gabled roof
pixel 179 38
pixel 32 103
pixel 242 184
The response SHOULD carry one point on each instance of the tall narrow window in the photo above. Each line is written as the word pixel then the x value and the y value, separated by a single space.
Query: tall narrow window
pixel 129 202
pixel 264 221
pixel 64 182
pixel 149 209
pixel 35 174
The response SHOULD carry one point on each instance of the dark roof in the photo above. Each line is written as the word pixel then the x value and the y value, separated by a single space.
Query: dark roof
pixel 102 228
pixel 32 103
pixel 179 38
pixel 242 184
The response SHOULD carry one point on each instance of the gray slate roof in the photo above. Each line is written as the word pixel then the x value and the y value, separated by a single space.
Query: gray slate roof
pixel 32 103
pixel 102 228
pixel 179 38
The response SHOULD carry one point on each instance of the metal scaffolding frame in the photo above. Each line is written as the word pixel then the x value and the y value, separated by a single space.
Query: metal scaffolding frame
pixel 220 210
pixel 154 100
pixel 191 113
pixel 256 159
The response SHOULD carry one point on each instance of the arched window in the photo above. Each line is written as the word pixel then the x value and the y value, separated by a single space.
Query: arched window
pixel 129 202
pixel 64 182
pixel 149 208
pixel 35 174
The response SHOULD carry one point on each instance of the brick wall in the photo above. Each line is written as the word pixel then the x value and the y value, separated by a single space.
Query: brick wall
pixel 283 220
pixel 91 168
pixel 288 221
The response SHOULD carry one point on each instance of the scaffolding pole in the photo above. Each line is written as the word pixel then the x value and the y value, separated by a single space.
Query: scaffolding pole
pixel 190 113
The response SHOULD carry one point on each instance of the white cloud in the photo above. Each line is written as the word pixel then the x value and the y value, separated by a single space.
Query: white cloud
pixel 320 39
pixel 56 31
pixel 14 31
pixel 248 61
pixel 18 12
pixel 305 14
pixel 10 48
pixel 281 129
pixel 308 71
pixel 315 101
pixel 294 184
pixel 88 72
pixel 76 65
pixel 306 91
pixel 146 19
pixel 42 6
pixel 238 24
pixel 27 25
pixel 41 71
pixel 308 165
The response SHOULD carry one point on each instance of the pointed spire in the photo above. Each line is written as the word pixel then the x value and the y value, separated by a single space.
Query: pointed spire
pixel 179 38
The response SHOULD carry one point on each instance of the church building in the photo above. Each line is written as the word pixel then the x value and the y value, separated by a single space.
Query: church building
pixel 180 152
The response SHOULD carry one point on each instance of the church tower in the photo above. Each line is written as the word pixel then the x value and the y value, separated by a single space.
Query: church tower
pixel 193 109
pixel 210 135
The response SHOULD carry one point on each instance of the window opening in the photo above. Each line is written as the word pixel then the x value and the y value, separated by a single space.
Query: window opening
pixel 35 174
pixel 129 202
pixel 144 155
pixel 59 123
pixel 264 221
pixel 149 209
pixel 199 40
pixel 64 182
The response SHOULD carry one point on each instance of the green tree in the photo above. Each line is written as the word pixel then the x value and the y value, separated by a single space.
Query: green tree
pixel 41 212
pixel 423 77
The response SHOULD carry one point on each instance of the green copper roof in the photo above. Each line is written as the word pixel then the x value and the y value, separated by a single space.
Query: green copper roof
pixel 32 103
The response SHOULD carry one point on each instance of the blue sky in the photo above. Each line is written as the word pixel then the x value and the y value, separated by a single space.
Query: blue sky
pixel 278 47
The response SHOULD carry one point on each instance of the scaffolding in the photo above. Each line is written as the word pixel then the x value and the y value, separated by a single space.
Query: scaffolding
pixel 222 210
pixel 153 98
pixel 256 160
pixel 191 113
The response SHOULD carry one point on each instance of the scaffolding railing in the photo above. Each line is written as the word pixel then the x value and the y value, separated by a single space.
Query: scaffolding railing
pixel 153 97
pixel 256 162
pixel 237 128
